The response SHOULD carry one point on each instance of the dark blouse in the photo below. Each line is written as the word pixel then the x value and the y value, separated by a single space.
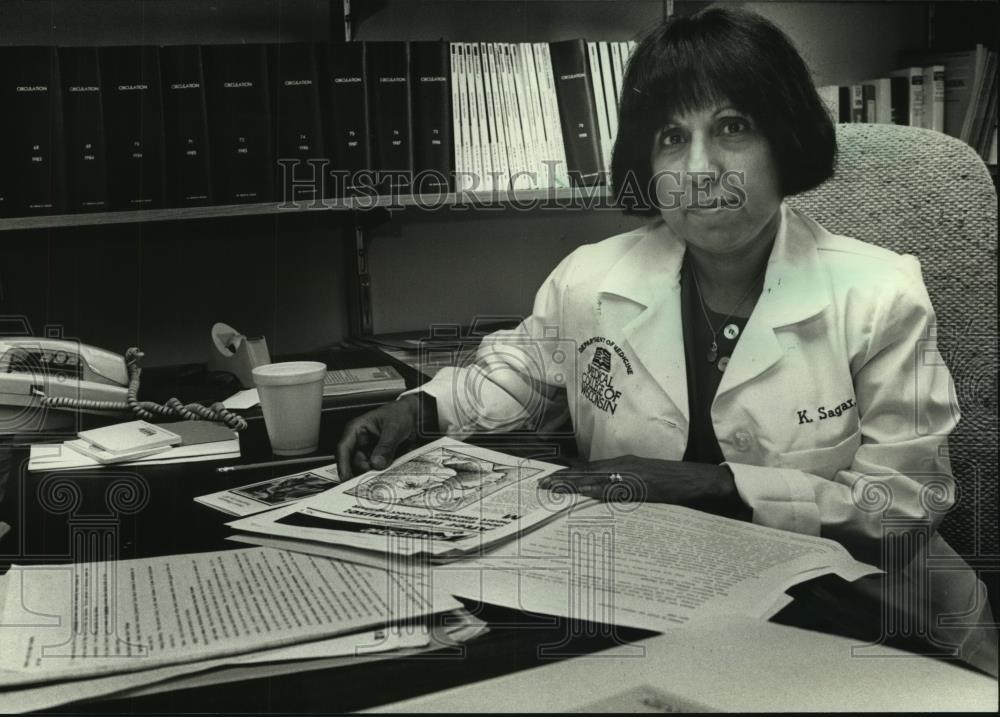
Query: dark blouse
pixel 703 376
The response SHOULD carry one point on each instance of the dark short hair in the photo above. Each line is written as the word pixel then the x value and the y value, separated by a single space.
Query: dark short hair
pixel 720 54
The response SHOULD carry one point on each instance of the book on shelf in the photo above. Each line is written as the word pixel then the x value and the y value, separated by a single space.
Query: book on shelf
pixel 387 67
pixel 500 125
pixel 516 175
pixel 612 94
pixel 597 76
pixel 195 125
pixel 83 122
pixel 879 104
pixel 459 118
pixel 239 111
pixel 914 78
pixel 528 76
pixel 868 99
pixel 577 112
pixel 187 159
pixel 433 148
pixel 295 113
pixel 857 103
pixel 494 82
pixel 133 104
pixel 345 113
pixel 487 144
pixel 556 169
pixel 963 74
pixel 899 97
pixel 934 98
pixel 985 117
pixel 32 105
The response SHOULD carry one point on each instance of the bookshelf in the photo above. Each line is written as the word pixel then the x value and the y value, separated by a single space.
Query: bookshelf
pixel 561 197
pixel 304 276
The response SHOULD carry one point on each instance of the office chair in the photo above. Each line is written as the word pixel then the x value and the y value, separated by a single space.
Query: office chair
pixel 924 193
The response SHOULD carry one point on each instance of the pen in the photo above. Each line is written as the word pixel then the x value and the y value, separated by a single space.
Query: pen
pixel 282 462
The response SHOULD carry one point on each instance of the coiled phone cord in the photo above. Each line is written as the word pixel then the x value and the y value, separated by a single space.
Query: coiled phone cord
pixel 148 410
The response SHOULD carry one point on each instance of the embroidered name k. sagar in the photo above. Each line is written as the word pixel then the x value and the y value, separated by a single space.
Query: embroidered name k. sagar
pixel 824 412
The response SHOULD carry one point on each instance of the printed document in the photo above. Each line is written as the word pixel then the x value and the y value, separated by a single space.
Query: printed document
pixel 647 565
pixel 71 621
pixel 444 499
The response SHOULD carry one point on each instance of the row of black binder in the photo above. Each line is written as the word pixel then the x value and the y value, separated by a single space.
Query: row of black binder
pixel 136 127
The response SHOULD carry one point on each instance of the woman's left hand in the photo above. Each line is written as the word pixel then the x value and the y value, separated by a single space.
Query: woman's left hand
pixel 703 486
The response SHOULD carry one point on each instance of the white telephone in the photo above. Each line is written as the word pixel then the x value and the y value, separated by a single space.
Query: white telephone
pixel 33 368
pixel 46 383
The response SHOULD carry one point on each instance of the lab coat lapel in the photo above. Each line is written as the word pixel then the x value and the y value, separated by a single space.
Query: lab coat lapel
pixel 795 289
pixel 649 275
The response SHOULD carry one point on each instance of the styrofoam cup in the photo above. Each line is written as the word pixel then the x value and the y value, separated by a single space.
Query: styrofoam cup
pixel 291 397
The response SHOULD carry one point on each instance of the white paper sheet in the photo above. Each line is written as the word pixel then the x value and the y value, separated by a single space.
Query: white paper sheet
pixel 731 664
pixel 651 566
pixel 86 619
pixel 445 498
pixel 242 399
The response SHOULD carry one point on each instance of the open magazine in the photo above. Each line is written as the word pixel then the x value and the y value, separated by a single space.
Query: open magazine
pixel 444 499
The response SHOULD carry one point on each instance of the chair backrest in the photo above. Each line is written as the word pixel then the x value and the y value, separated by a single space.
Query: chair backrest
pixel 921 192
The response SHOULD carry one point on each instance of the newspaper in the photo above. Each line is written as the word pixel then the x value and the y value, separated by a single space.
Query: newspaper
pixel 446 498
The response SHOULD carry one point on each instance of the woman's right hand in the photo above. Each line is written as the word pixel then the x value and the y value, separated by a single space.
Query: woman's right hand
pixel 371 441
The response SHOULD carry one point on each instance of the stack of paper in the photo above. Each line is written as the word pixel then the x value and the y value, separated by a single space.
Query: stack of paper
pixel 96 629
pixel 444 500
pixel 646 565
pixel 199 440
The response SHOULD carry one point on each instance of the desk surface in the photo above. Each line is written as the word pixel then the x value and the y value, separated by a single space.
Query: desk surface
pixel 158 516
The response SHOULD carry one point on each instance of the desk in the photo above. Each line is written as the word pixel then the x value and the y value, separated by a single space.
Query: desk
pixel 158 516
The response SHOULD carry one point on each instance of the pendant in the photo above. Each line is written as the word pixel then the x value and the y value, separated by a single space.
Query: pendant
pixel 713 352
pixel 723 362
pixel 731 331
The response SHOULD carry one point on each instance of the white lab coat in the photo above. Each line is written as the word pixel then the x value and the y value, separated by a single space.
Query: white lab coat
pixel 833 413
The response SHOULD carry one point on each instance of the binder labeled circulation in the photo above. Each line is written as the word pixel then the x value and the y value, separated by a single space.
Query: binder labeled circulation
pixel 345 114
pixel 31 102
pixel 83 113
pixel 433 147
pixel 577 111
pixel 387 66
pixel 239 112
pixel 185 119
pixel 133 114
pixel 298 133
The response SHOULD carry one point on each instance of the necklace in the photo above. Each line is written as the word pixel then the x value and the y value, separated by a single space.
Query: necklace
pixel 713 350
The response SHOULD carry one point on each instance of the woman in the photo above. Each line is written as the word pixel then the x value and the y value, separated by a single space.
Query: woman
pixel 732 355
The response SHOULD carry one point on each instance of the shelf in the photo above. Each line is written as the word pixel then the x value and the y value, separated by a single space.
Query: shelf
pixel 581 198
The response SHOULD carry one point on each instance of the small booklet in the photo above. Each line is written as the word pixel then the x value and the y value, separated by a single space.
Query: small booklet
pixel 130 437
pixel 105 457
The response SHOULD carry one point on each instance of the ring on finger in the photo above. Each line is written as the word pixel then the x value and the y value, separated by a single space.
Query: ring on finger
pixel 615 478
